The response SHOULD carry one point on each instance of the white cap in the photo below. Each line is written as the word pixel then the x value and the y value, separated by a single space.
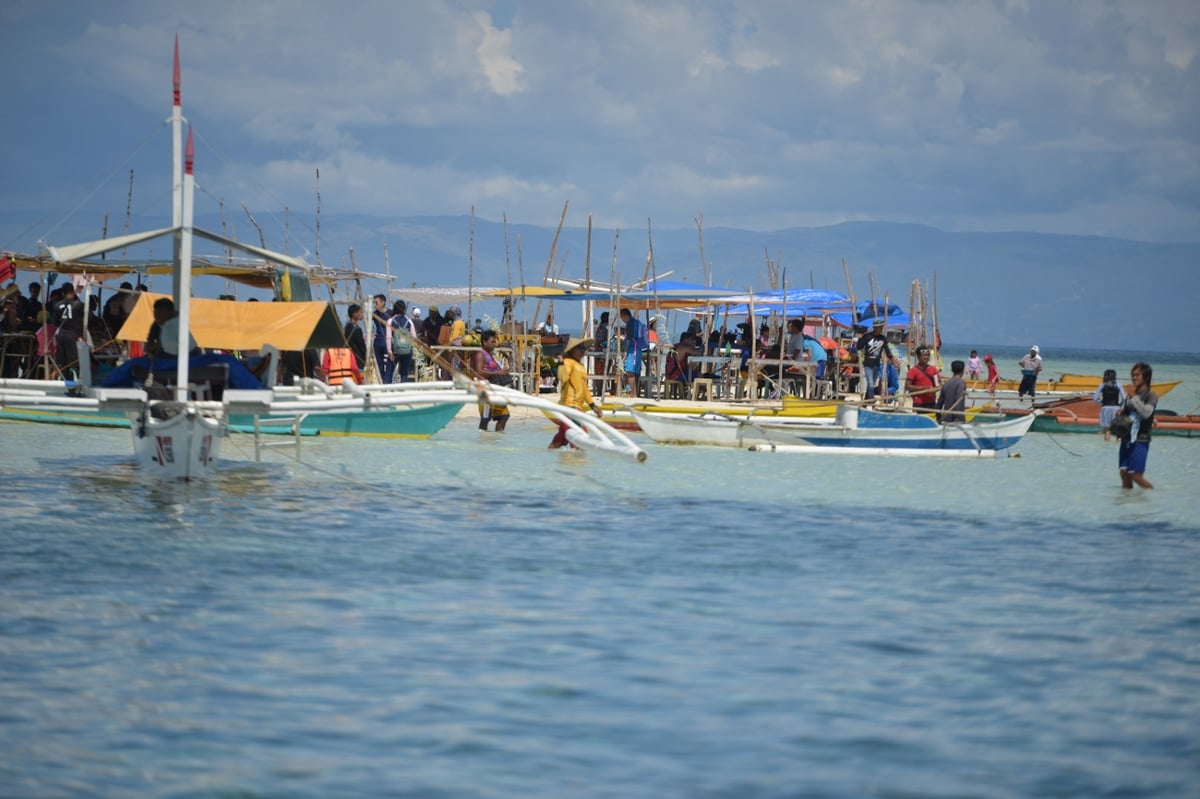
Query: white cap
pixel 1034 348
pixel 416 311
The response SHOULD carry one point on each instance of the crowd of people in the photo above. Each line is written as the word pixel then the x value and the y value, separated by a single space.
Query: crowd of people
pixel 401 336
pixel 43 335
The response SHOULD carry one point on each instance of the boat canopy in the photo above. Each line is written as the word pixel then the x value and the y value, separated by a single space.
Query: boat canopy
pixel 867 311
pixel 798 301
pixel 660 294
pixel 231 325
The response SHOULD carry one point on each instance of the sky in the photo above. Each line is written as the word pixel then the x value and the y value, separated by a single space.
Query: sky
pixel 1056 117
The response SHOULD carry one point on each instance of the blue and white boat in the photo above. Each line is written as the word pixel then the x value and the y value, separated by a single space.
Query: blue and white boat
pixel 862 430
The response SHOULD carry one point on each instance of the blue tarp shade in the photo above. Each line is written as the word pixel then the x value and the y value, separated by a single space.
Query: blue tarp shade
pixel 797 301
pixel 869 311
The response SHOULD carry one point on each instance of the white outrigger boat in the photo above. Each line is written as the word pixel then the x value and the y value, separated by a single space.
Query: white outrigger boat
pixel 178 437
pixel 712 428
pixel 854 430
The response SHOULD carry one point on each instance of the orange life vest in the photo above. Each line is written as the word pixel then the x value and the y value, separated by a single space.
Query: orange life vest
pixel 340 364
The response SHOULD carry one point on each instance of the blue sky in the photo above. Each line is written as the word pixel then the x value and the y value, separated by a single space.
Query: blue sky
pixel 1067 117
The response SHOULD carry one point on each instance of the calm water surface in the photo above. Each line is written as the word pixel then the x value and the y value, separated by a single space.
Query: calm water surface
pixel 474 616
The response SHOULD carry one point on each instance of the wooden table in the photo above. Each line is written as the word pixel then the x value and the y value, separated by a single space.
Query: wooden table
pixel 792 370
pixel 724 369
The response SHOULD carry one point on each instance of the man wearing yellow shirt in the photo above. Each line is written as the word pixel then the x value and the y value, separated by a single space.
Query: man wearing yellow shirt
pixel 574 391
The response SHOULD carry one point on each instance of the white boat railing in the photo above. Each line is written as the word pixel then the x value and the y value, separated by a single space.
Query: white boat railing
pixel 583 429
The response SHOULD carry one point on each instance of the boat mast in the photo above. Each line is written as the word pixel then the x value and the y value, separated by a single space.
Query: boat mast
pixel 182 215
pixel 176 166
pixel 183 274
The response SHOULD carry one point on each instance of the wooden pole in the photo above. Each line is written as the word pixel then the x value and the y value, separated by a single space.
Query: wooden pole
pixel 128 210
pixel 537 314
pixel 471 265
pixel 588 311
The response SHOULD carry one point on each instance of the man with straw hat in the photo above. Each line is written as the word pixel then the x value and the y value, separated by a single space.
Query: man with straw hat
pixel 574 391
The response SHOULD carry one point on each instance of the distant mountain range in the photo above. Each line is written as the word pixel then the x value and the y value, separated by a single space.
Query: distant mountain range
pixel 992 288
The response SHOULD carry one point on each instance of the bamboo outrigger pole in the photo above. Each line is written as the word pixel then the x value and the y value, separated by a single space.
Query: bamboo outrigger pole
pixel 614 296
pixel 510 318
pixel 550 259
pixel 470 265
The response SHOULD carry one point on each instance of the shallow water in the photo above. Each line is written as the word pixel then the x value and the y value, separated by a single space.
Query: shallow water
pixel 476 616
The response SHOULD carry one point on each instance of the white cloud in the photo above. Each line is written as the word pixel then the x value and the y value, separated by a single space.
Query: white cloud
pixel 503 72
pixel 889 109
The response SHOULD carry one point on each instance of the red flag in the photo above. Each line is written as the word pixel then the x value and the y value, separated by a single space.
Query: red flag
pixel 7 270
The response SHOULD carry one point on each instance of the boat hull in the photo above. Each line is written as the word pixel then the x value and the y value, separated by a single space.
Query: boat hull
pixel 421 421
pixel 415 423
pixel 621 416
pixel 1175 426
pixel 183 446
pixel 706 428
pixel 914 431
pixel 1067 385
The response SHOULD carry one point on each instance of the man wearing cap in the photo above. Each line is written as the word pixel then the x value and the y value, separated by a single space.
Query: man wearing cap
pixel 873 348
pixel 1030 365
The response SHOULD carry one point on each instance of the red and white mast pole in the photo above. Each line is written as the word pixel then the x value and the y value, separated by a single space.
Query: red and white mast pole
pixel 176 121
pixel 183 277
pixel 177 151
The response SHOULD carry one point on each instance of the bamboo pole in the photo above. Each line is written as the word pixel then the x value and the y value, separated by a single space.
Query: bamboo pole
pixel 471 265
pixel 588 311
pixel 537 314
pixel 655 360
pixel 518 345
pixel 614 299
pixel 370 369
pixel 783 332
pixel 129 211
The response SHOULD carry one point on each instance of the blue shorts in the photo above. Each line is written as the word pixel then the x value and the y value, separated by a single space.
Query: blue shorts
pixel 633 362
pixel 1132 456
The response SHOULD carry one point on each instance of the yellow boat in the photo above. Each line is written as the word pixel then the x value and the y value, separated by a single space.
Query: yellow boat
pixel 617 411
pixel 1067 384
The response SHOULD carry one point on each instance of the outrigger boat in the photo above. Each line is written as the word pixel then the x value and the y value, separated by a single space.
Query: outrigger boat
pixel 854 429
pixel 1006 397
pixel 178 437
pixel 1083 416
pixel 712 428
pixel 620 412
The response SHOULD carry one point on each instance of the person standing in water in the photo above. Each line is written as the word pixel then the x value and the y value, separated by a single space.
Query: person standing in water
pixel 1135 445
pixel 1110 396
pixel 484 363
pixel 573 387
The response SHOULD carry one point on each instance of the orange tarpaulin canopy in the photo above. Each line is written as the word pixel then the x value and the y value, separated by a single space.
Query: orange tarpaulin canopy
pixel 230 325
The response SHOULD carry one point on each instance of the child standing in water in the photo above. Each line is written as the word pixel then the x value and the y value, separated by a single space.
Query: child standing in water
pixel 993 376
pixel 1111 397
pixel 974 366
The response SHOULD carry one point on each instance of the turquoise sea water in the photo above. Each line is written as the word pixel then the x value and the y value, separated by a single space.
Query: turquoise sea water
pixel 475 616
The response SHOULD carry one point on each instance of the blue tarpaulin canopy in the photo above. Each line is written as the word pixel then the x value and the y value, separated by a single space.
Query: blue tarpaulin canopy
pixel 793 301
pixel 869 310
